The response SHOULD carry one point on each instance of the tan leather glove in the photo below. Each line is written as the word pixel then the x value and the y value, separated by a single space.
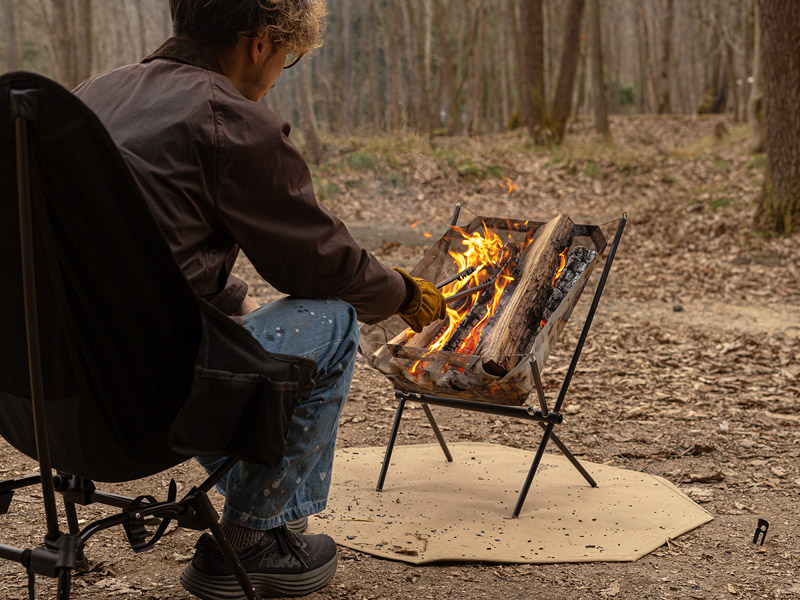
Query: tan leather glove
pixel 426 305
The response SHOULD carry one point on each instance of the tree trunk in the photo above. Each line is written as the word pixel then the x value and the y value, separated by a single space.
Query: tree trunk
pixel 562 99
pixel 532 67
pixel 598 87
pixel 393 104
pixel 664 98
pixel 756 103
pixel 779 206
pixel 373 52
pixel 83 41
pixel 314 150
pixel 62 40
pixel 11 57
pixel 648 57
pixel 579 96
pixel 642 67
pixel 349 65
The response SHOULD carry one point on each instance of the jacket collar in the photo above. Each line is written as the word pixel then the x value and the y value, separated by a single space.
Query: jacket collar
pixel 187 51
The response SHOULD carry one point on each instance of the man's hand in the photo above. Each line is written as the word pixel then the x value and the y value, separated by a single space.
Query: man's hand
pixel 248 306
pixel 426 304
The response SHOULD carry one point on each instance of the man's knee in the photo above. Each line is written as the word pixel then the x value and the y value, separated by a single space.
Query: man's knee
pixel 305 327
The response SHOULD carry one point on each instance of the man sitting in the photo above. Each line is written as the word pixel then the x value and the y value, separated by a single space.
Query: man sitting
pixel 219 173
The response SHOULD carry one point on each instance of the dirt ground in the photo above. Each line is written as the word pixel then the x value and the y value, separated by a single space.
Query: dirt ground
pixel 691 370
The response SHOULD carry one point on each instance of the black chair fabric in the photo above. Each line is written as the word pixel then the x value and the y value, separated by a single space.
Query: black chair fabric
pixel 140 373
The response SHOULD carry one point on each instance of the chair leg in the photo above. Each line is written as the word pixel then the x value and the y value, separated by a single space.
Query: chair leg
pixel 81 562
pixel 207 512
pixel 64 584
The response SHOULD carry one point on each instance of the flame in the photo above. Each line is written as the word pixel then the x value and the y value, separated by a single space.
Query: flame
pixel 563 263
pixel 427 235
pixel 415 223
pixel 512 187
pixel 486 251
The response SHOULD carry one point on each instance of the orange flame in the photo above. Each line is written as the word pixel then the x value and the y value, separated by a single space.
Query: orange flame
pixel 415 223
pixel 563 258
pixel 427 235
pixel 485 251
pixel 512 187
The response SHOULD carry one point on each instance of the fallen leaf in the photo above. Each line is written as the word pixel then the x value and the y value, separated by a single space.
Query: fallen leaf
pixel 611 590
pixel 778 472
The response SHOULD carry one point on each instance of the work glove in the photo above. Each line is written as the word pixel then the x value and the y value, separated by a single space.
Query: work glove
pixel 426 305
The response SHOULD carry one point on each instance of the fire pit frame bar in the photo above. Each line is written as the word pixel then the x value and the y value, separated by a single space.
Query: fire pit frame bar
pixel 545 418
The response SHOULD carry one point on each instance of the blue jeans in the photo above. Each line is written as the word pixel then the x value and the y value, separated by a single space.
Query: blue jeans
pixel 325 331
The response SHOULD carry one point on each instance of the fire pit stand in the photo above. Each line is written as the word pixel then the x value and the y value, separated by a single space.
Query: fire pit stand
pixel 545 417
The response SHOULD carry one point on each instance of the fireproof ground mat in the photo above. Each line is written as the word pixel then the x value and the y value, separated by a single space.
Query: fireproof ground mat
pixel 431 510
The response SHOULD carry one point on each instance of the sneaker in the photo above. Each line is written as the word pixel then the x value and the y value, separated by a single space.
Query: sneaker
pixel 281 564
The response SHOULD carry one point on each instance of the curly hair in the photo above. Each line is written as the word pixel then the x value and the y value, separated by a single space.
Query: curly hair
pixel 295 26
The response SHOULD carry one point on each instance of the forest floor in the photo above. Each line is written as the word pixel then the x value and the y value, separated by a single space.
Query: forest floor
pixel 691 370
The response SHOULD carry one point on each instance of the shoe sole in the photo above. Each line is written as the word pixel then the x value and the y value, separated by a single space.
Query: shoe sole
pixel 268 585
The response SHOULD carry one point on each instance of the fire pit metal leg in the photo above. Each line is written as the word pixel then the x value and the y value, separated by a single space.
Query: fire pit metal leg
pixel 390 446
pixel 571 458
pixel 437 433
pixel 534 466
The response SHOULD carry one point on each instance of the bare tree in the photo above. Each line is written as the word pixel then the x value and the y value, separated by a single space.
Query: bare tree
pixel 11 56
pixel 756 103
pixel 779 205
pixel 598 87
pixel 664 96
pixel 650 85
pixel 314 149
pixel 532 73
pixel 562 99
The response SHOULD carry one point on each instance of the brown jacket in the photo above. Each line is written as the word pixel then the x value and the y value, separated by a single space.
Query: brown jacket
pixel 219 173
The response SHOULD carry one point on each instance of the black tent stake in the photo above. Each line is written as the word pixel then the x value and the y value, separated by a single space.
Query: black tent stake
pixel 761 531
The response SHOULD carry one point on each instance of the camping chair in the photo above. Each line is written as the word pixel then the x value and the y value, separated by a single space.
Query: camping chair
pixel 111 367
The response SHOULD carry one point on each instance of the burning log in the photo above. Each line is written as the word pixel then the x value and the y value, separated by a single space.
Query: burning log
pixel 517 325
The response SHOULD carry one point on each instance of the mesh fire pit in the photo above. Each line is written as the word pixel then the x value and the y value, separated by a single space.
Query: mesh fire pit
pixel 458 356
pixel 511 287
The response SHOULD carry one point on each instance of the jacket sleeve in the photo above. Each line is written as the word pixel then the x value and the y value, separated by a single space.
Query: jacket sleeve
pixel 265 201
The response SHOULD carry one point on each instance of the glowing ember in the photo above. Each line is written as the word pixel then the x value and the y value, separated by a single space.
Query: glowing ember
pixel 415 223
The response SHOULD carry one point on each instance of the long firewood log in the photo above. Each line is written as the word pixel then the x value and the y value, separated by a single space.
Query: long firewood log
pixel 517 325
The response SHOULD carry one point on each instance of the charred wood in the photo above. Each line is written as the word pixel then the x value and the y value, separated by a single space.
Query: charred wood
pixel 577 261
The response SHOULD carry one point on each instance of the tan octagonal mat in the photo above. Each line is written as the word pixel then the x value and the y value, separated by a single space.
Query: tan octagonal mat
pixel 431 510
